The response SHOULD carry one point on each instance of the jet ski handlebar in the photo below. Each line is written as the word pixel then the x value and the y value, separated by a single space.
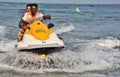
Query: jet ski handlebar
pixel 40 18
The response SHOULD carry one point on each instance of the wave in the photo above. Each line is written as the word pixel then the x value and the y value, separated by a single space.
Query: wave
pixel 3 31
pixel 7 45
pixel 110 42
pixel 82 56
pixel 64 27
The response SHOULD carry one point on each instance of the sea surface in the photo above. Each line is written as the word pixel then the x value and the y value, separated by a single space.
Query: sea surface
pixel 91 37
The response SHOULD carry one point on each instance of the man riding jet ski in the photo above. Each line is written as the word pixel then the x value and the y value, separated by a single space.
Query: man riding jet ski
pixel 30 14
pixel 37 34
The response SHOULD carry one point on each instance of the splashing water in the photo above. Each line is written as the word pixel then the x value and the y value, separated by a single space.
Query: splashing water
pixel 94 55
pixel 64 27
pixel 3 30
pixel 110 42
pixel 7 45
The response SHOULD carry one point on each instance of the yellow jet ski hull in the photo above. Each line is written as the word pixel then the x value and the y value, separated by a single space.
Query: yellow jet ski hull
pixel 38 35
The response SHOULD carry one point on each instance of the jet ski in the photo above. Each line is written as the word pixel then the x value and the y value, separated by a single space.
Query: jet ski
pixel 39 35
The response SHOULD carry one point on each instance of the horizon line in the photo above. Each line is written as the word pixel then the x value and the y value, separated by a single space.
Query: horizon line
pixel 57 3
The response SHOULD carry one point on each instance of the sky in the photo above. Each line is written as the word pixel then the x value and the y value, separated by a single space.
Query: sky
pixel 68 1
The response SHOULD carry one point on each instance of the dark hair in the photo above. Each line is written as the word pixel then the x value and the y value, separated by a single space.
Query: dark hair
pixel 28 5
pixel 34 5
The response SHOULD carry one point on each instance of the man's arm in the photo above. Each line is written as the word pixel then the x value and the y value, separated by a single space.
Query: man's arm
pixel 47 16
pixel 22 22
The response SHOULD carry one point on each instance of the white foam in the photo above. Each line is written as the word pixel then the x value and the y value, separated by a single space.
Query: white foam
pixel 5 67
pixel 7 45
pixel 3 30
pixel 91 57
pixel 109 42
pixel 64 27
pixel 97 56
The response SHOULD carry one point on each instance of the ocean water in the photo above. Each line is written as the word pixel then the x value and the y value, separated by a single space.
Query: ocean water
pixel 92 42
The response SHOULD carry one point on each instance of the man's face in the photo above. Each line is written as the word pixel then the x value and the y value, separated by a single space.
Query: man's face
pixel 33 10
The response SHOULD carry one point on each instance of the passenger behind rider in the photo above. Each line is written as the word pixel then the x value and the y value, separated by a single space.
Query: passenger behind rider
pixel 31 16
pixel 21 32
pixel 28 8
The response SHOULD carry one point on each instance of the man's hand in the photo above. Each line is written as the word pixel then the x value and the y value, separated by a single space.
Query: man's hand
pixel 23 24
pixel 47 16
